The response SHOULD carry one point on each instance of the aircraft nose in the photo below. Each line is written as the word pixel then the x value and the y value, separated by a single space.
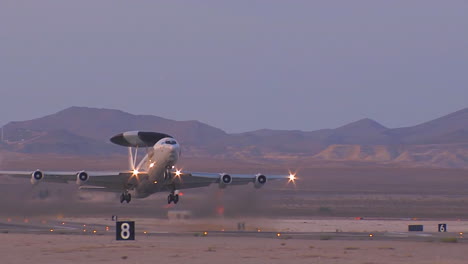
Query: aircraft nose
pixel 173 148
pixel 174 152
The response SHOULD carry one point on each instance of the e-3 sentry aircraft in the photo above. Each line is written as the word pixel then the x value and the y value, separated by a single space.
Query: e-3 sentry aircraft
pixel 155 172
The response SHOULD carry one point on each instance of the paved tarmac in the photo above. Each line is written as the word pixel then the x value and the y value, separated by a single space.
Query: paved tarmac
pixel 27 226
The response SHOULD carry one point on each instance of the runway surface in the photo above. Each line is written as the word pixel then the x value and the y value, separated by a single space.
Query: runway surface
pixel 200 241
pixel 147 227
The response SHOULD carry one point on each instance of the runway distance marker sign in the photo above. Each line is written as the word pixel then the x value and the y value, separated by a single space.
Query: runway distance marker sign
pixel 125 230
pixel 415 228
pixel 442 227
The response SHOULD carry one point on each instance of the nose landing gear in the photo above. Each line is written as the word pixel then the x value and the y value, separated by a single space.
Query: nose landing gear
pixel 173 197
pixel 125 196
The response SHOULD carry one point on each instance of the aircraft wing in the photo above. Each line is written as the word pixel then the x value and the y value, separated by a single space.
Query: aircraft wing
pixel 200 179
pixel 106 181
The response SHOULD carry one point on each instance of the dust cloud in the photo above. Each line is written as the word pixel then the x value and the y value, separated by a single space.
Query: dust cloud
pixel 57 200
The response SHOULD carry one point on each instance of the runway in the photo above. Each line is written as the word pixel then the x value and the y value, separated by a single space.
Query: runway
pixel 106 227
pixel 53 227
pixel 93 240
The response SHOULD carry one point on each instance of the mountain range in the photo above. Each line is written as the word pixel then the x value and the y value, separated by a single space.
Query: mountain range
pixel 442 142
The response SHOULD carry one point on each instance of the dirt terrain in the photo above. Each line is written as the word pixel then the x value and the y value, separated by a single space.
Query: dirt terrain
pixel 324 199
pixel 103 249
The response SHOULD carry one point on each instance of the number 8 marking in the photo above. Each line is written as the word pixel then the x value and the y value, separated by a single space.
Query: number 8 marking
pixel 125 233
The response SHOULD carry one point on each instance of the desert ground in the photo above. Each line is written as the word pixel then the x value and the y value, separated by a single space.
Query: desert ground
pixel 326 217
pixel 26 248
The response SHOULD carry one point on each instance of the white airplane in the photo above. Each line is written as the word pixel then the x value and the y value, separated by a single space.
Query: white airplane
pixel 155 172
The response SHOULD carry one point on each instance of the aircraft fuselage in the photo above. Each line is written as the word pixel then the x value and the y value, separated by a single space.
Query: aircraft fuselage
pixel 160 159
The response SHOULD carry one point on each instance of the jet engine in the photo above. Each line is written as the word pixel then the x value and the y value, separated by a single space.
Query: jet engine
pixel 81 177
pixel 260 180
pixel 224 180
pixel 36 177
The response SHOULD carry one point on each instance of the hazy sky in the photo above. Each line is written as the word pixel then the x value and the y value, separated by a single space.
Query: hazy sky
pixel 237 65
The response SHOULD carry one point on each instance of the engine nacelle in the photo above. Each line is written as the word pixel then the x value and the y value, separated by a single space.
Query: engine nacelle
pixel 224 180
pixel 36 177
pixel 260 180
pixel 81 177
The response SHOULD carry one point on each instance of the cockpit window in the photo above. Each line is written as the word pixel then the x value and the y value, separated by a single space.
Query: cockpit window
pixel 170 142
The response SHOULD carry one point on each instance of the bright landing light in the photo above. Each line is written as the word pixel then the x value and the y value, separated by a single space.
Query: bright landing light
pixel 292 177
pixel 178 173
pixel 135 172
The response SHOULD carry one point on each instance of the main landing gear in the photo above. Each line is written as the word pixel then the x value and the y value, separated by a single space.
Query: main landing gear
pixel 173 197
pixel 127 197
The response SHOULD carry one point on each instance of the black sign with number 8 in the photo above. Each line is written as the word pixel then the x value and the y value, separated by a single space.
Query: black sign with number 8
pixel 125 230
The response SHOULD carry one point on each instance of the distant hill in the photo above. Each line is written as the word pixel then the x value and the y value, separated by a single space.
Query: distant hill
pixel 452 128
pixel 63 142
pixel 101 124
pixel 82 131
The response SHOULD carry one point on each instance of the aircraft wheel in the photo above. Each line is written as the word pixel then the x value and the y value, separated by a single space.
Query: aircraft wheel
pixel 129 197
pixel 170 198
pixel 176 198
pixel 122 198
